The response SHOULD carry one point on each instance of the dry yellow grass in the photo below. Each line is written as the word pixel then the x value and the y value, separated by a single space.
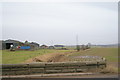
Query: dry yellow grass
pixel 110 69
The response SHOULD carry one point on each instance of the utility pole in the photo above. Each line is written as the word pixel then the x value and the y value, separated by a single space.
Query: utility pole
pixel 77 46
pixel 76 39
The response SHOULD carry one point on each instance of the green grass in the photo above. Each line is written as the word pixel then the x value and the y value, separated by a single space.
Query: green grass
pixel 0 56
pixel 14 57
pixel 111 54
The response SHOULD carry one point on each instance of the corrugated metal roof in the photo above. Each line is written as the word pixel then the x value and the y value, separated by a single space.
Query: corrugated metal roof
pixel 11 41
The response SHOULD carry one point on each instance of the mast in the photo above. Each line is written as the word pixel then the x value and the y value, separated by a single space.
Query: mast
pixel 77 46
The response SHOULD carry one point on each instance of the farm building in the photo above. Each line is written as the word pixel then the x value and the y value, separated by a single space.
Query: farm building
pixel 35 45
pixel 59 45
pixel 44 46
pixel 51 47
pixel 6 44
pixel 19 45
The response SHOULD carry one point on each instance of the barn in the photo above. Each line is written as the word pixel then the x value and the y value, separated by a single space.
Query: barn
pixel 6 44
pixel 34 45
pixel 18 45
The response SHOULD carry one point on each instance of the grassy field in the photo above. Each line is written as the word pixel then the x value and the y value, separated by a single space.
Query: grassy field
pixel 8 57
pixel 111 55
pixel 14 57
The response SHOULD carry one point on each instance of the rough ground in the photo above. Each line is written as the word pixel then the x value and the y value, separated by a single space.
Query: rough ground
pixel 112 66
pixel 52 57
pixel 110 72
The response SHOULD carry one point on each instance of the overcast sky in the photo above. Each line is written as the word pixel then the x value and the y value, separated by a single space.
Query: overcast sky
pixel 60 22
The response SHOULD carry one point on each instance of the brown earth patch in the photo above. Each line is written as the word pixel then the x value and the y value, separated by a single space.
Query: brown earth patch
pixel 52 57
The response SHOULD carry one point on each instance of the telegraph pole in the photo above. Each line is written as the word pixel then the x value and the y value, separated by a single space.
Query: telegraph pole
pixel 77 46
pixel 76 39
